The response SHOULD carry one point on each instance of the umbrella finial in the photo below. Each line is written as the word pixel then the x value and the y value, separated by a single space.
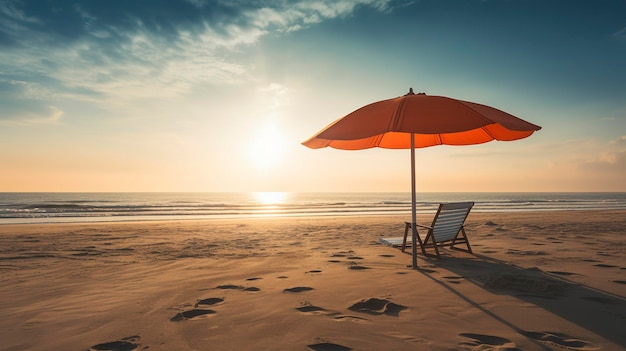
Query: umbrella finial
pixel 410 92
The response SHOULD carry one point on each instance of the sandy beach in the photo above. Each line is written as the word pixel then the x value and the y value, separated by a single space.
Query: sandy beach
pixel 536 281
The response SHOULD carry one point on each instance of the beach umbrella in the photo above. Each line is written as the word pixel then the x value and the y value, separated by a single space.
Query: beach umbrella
pixel 418 120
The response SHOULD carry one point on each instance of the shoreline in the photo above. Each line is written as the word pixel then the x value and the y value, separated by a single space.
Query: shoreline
pixel 536 281
pixel 201 218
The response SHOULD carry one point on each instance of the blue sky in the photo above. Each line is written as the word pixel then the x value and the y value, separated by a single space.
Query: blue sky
pixel 217 95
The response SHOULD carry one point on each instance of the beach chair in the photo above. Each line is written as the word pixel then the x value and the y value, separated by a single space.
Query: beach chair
pixel 446 230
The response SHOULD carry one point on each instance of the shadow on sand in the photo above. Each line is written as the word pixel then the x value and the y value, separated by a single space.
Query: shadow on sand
pixel 600 312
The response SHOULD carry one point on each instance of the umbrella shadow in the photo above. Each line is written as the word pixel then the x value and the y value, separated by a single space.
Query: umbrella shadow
pixel 598 311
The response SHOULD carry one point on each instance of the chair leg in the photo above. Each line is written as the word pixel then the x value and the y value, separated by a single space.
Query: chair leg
pixel 436 248
pixel 406 232
pixel 422 244
pixel 469 248
pixel 463 240
pixel 430 237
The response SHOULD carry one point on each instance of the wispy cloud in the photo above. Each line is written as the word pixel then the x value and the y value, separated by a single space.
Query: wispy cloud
pixel 277 93
pixel 620 34
pixel 619 141
pixel 117 51
pixel 52 115
pixel 608 161
pixel 612 157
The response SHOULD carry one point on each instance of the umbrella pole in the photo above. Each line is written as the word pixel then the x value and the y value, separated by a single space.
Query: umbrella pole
pixel 413 203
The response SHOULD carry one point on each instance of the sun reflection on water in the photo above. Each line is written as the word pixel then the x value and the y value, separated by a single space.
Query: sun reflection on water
pixel 270 197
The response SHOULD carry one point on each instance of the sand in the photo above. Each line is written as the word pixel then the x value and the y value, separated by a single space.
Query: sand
pixel 536 281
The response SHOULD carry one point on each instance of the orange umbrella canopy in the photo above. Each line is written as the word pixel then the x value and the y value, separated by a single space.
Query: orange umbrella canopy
pixel 434 120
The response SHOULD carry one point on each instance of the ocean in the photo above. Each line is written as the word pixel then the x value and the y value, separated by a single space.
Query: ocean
pixel 96 207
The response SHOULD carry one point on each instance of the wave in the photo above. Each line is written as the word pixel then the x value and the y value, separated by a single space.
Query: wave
pixel 42 207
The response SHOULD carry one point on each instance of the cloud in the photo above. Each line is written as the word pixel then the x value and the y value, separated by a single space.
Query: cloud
pixel 115 52
pixel 620 34
pixel 24 103
pixel 612 159
pixel 619 141
pixel 49 115
pixel 277 94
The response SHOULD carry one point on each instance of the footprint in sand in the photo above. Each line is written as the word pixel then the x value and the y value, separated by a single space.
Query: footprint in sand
pixel 488 342
pixel 603 265
pixel 311 309
pixel 561 340
pixel 387 255
pixel 125 344
pixel 343 253
pixel 356 267
pixel 375 306
pixel 328 346
pixel 230 287
pixel 237 287
pixel 453 279
pixel 209 302
pixel 196 313
pixel 307 308
pixel 298 289
pixel 314 271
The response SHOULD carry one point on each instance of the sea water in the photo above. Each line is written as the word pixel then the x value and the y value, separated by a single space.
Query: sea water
pixel 89 207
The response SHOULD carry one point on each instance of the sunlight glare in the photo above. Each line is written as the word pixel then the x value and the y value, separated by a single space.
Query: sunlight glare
pixel 270 197
pixel 267 148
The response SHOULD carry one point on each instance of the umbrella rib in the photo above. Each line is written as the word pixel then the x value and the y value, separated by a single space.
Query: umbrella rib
pixel 378 139
pixel 480 115
pixel 397 119
pixel 488 133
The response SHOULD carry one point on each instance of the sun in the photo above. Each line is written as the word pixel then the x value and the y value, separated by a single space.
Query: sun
pixel 267 148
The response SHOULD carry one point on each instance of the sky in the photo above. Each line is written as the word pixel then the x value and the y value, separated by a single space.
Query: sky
pixel 217 95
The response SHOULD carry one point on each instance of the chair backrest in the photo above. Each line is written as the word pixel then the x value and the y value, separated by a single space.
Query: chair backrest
pixel 449 220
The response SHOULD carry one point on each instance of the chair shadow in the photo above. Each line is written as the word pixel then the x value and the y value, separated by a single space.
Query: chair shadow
pixel 600 312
